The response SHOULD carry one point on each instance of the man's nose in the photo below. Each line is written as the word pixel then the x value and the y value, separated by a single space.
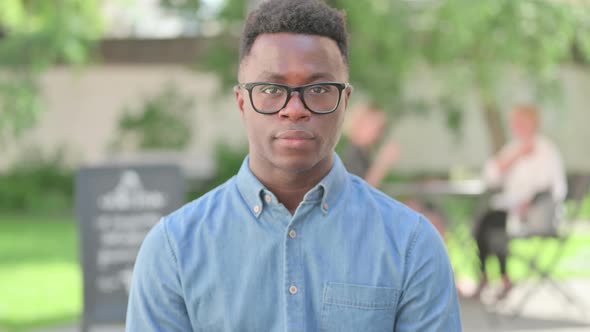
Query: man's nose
pixel 295 110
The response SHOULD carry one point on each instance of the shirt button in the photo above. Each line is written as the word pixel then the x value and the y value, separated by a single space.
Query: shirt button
pixel 292 234
pixel 293 290
pixel 268 199
pixel 256 209
pixel 325 206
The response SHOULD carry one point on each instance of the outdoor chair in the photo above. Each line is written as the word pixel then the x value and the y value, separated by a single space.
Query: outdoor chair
pixel 547 221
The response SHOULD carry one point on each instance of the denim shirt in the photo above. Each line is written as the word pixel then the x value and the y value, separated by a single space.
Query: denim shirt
pixel 349 259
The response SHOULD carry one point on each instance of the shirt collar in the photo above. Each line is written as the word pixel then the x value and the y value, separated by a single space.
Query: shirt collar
pixel 250 187
pixel 332 185
pixel 327 191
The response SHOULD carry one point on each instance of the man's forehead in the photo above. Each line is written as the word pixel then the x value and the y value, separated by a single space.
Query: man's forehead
pixel 278 54
pixel 279 76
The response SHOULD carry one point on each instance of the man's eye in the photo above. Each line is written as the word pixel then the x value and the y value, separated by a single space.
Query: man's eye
pixel 319 89
pixel 271 90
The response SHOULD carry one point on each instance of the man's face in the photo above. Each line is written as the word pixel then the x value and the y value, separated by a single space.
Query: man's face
pixel 294 139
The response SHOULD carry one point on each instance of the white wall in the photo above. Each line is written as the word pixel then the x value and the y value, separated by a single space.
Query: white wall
pixel 428 145
pixel 83 108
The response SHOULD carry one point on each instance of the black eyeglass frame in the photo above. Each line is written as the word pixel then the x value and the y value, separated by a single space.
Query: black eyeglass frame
pixel 290 89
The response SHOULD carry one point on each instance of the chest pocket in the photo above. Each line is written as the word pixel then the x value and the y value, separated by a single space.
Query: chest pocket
pixel 348 307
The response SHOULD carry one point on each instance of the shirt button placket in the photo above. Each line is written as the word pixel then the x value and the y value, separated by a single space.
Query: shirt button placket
pixel 294 281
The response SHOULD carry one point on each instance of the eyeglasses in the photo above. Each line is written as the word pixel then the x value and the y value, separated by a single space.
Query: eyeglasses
pixel 270 98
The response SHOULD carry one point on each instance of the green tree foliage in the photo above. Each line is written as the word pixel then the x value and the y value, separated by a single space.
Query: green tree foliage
pixel 470 44
pixel 35 35
pixel 222 57
pixel 184 7
pixel 41 183
pixel 161 123
pixel 478 42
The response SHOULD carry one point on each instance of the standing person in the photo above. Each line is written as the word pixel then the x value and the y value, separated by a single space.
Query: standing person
pixel 366 128
pixel 293 242
pixel 526 167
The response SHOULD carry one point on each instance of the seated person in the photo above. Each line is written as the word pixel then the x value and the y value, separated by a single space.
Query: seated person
pixel 525 167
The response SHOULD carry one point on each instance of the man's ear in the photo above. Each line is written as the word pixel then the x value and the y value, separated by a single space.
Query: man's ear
pixel 240 99
pixel 347 94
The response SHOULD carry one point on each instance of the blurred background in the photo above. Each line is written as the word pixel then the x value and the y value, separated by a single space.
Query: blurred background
pixel 91 82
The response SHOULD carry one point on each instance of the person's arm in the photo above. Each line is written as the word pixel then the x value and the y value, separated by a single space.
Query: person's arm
pixel 429 300
pixel 505 161
pixel 156 302
pixel 388 155
pixel 496 168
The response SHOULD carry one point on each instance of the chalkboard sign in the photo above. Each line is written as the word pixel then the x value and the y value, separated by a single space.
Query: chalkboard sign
pixel 116 207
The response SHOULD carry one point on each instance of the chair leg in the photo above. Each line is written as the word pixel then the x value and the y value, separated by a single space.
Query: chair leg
pixel 533 269
pixel 530 291
pixel 544 274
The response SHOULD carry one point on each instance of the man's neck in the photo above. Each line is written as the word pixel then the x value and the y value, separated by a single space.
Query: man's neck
pixel 291 187
pixel 290 197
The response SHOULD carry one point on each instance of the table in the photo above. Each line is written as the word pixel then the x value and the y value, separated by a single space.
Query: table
pixel 456 230
pixel 436 187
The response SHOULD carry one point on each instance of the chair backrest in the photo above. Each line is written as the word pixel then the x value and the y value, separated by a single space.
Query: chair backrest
pixel 578 189
pixel 545 217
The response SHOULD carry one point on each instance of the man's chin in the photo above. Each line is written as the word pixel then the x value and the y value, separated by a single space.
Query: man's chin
pixel 298 164
pixel 295 166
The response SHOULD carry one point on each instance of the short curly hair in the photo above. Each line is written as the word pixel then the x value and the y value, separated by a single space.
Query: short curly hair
pixel 309 17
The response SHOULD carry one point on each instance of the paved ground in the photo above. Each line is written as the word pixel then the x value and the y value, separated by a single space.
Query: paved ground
pixel 547 311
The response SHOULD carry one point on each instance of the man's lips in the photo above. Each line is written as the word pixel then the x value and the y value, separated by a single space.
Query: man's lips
pixel 294 134
pixel 295 139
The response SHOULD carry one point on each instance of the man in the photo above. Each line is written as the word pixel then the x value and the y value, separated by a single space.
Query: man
pixel 293 242
pixel 523 170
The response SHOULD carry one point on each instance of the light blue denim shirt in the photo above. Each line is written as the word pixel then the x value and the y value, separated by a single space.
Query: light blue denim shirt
pixel 349 259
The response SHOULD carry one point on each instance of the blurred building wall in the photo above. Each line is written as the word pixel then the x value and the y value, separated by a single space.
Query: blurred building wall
pixel 428 145
pixel 83 108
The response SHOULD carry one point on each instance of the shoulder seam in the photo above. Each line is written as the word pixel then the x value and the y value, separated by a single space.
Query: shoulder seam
pixel 414 238
pixel 169 245
pixel 409 251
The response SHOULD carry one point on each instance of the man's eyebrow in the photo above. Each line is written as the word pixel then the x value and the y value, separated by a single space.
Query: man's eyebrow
pixel 322 76
pixel 270 77
pixel 276 77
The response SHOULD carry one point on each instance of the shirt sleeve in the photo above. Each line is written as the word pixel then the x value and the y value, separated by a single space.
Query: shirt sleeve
pixel 491 173
pixel 429 300
pixel 155 301
pixel 558 177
